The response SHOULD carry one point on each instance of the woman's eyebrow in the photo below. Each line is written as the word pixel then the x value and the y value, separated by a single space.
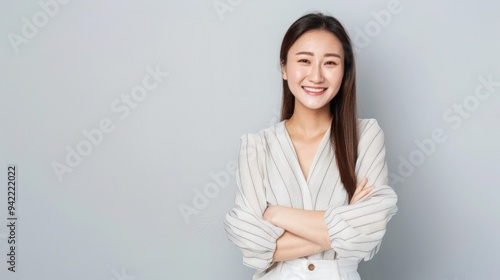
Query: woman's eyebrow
pixel 311 54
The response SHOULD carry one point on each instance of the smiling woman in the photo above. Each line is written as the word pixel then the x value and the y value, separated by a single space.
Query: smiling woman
pixel 315 78
pixel 313 197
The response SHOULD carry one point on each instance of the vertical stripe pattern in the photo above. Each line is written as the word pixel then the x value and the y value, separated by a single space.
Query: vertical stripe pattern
pixel 268 175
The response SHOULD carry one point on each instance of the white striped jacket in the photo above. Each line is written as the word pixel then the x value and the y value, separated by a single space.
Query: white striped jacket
pixel 269 174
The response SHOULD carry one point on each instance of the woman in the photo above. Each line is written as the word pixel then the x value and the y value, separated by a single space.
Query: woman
pixel 304 209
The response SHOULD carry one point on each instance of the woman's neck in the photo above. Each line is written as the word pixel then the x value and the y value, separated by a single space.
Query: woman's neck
pixel 309 122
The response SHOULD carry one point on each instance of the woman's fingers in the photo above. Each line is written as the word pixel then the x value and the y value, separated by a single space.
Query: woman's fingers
pixel 361 191
pixel 361 185
pixel 365 191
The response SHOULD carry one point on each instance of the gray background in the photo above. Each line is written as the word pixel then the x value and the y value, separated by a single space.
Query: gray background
pixel 117 215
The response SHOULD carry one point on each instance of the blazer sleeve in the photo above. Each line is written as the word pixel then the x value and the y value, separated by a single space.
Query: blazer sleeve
pixel 244 225
pixel 356 230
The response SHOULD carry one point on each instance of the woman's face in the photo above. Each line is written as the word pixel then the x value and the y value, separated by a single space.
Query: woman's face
pixel 314 69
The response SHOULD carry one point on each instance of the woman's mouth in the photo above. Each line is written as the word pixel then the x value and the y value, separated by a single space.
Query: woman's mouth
pixel 314 90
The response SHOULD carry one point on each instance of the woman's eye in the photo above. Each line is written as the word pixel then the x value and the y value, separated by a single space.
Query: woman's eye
pixel 331 63
pixel 304 60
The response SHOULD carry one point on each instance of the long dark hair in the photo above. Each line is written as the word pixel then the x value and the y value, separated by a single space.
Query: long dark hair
pixel 344 131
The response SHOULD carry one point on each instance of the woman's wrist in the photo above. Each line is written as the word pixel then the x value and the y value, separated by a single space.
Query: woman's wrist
pixel 271 214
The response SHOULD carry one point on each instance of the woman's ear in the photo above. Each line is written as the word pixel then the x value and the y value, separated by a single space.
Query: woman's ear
pixel 283 70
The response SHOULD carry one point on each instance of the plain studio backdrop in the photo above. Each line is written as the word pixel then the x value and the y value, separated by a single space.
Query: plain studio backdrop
pixel 123 120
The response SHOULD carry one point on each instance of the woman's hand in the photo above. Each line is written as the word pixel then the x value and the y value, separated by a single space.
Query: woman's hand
pixel 361 191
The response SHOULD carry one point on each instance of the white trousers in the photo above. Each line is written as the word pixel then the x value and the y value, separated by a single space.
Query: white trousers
pixel 301 269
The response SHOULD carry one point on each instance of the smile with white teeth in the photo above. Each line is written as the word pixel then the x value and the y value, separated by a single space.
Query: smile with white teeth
pixel 314 89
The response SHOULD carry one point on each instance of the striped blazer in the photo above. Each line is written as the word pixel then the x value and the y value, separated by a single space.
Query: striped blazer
pixel 269 174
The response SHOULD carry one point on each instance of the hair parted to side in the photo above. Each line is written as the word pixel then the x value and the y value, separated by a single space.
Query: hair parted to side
pixel 344 131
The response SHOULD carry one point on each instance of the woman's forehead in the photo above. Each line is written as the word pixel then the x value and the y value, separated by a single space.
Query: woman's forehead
pixel 317 42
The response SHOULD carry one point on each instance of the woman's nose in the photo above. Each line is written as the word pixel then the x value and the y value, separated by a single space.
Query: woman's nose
pixel 315 74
